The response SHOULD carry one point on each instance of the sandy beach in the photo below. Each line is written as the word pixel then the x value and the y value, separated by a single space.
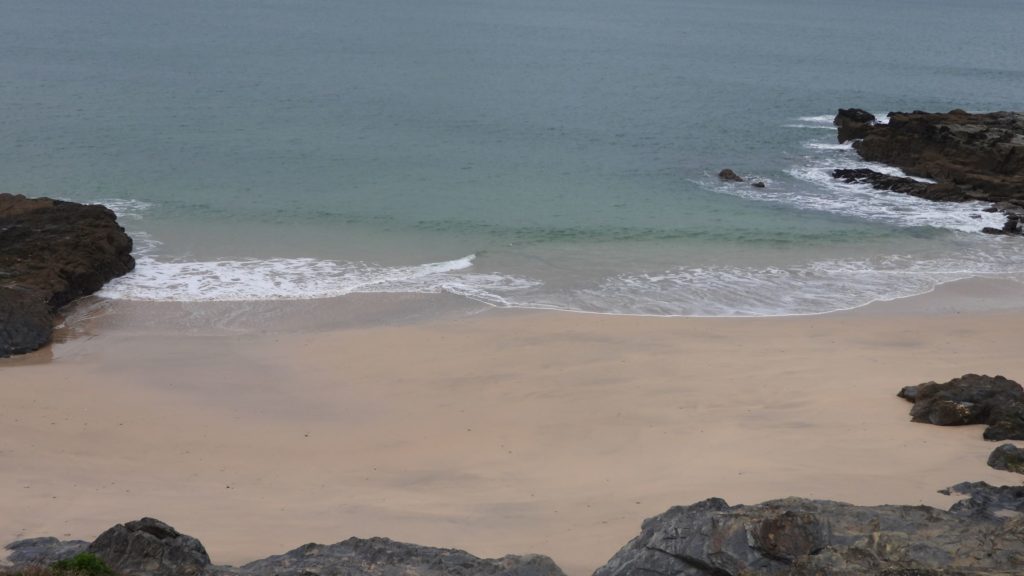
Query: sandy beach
pixel 497 432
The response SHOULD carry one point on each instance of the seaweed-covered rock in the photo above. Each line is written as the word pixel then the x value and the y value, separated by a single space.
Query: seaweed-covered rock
pixel 1008 457
pixel 971 399
pixel 52 252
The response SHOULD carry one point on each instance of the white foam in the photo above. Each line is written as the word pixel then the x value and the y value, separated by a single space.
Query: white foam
pixel 812 288
pixel 828 146
pixel 818 120
pixel 828 194
pixel 124 208
pixel 809 126
pixel 300 278
pixel 826 121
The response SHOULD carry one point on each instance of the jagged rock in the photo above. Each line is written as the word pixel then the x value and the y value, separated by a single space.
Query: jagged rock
pixel 383 557
pixel 853 123
pixel 148 547
pixel 52 252
pixel 987 501
pixel 729 176
pixel 1007 457
pixel 971 399
pixel 982 154
pixel 43 551
pixel 151 548
pixel 903 185
pixel 798 537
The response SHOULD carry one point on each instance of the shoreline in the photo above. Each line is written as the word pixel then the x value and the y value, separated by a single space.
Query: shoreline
pixel 494 431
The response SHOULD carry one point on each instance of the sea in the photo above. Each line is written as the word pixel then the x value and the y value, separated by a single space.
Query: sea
pixel 549 154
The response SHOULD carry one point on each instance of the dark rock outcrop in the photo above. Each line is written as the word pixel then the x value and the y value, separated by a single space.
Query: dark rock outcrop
pixel 987 501
pixel 903 185
pixel 52 252
pixel 1007 457
pixel 729 176
pixel 149 547
pixel 798 537
pixel 43 551
pixel 380 556
pixel 981 154
pixel 853 123
pixel 971 399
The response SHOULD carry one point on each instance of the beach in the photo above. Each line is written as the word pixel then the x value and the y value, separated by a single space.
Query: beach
pixel 494 431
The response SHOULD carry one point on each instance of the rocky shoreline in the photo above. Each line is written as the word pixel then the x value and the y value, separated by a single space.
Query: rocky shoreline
pixel 52 252
pixel 969 156
pixel 982 534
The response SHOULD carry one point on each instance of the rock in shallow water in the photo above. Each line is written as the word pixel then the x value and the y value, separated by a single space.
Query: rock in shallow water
pixel 980 154
pixel 729 176
pixel 52 252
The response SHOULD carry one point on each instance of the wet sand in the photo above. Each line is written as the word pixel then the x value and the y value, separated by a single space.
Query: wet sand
pixel 496 432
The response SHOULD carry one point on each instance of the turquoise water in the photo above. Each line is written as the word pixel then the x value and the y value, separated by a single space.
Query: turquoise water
pixel 546 154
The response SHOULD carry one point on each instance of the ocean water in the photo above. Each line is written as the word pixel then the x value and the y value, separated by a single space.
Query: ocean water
pixel 549 154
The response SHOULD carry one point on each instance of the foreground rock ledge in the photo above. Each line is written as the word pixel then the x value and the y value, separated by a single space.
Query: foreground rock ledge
pixel 149 547
pixel 52 252
pixel 980 535
pixel 983 535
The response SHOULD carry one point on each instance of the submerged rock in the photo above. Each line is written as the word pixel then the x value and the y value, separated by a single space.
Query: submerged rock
pixel 971 399
pixel 52 252
pixel 798 537
pixel 149 547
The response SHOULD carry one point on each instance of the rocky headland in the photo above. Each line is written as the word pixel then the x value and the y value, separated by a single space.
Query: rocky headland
pixel 52 252
pixel 969 156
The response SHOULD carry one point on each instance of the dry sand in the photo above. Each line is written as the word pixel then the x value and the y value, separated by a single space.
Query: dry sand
pixel 503 432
